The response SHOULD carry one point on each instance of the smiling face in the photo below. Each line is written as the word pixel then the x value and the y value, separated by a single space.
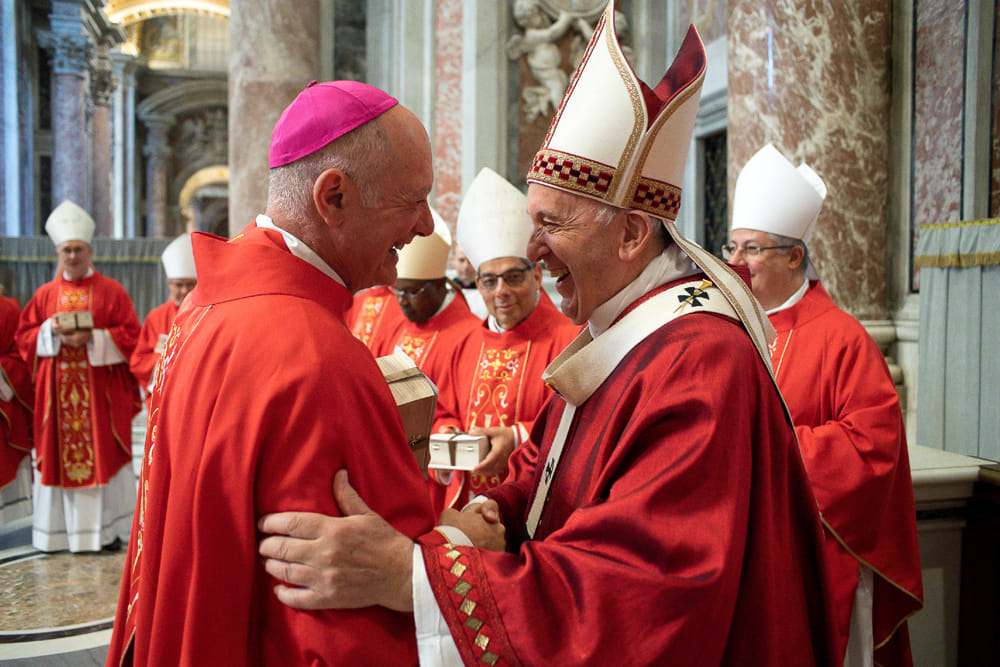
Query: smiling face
pixel 578 249
pixel 401 211
pixel 510 304
pixel 74 258
pixel 775 274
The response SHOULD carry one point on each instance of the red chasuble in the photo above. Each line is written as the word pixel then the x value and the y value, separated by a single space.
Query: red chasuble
pixel 83 413
pixel 431 345
pixel 497 381
pixel 144 358
pixel 680 528
pixel 15 414
pixel 850 427
pixel 249 418
pixel 374 312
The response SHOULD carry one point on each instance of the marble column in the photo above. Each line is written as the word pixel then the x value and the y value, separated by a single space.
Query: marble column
pixel 102 84
pixel 123 147
pixel 70 52
pixel 274 52
pixel 814 79
pixel 447 131
pixel 157 152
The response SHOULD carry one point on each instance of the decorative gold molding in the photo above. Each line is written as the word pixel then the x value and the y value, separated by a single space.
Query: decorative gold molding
pixel 126 12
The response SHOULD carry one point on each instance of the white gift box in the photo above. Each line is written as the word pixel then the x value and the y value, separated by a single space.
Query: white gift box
pixel 76 320
pixel 457 451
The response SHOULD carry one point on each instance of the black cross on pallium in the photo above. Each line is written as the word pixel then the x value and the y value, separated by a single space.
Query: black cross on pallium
pixel 549 469
pixel 694 294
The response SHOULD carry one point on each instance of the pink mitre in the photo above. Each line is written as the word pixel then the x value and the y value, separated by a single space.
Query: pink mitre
pixel 321 113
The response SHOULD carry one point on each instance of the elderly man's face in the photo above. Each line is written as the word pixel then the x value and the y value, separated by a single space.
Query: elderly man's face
pixel 580 253
pixel 510 289
pixel 74 258
pixel 180 288
pixel 463 267
pixel 420 299
pixel 771 271
pixel 384 227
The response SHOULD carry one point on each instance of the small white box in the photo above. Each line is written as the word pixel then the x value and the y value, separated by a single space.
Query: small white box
pixel 76 320
pixel 457 451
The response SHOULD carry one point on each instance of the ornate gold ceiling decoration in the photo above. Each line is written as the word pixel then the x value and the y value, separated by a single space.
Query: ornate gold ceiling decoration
pixel 125 12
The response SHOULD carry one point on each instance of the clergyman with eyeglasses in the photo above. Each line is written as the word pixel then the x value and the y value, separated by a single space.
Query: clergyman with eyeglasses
pixel 496 386
pixel 844 406
pixel 436 318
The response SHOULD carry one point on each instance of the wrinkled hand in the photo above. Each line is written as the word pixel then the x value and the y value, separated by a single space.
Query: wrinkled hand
pixel 501 447
pixel 481 524
pixel 357 560
pixel 76 337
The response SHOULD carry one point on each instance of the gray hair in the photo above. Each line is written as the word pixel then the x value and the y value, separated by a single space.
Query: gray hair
pixel 604 213
pixel 778 239
pixel 362 154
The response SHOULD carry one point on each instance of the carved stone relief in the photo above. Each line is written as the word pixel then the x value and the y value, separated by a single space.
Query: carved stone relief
pixel 552 38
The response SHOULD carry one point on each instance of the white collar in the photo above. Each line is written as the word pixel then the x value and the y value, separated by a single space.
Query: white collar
pixel 668 266
pixel 793 299
pixel 493 325
pixel 300 249
pixel 90 272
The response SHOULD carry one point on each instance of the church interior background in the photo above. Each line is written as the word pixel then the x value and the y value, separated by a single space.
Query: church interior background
pixel 155 116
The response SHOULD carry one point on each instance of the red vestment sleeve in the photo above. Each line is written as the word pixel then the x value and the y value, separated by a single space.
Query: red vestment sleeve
pixel 144 358
pixel 247 420
pixel 15 414
pixel 679 527
pixel 850 429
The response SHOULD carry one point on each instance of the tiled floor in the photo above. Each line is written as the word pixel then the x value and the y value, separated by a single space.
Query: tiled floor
pixel 57 609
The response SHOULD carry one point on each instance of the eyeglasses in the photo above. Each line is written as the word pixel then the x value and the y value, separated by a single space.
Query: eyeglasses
pixel 511 278
pixel 410 292
pixel 748 251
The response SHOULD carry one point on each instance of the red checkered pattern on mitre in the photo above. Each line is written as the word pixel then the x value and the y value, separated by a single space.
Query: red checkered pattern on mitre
pixel 616 139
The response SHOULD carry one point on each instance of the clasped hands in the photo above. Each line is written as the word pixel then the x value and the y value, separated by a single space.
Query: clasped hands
pixel 358 559
pixel 71 337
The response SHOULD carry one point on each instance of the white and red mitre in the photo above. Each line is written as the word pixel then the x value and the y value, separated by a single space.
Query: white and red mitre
pixel 426 257
pixel 775 197
pixel 616 139
pixel 493 220
pixel 178 259
pixel 69 222
pixel 619 141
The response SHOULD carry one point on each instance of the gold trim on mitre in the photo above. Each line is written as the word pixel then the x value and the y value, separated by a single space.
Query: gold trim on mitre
pixel 617 140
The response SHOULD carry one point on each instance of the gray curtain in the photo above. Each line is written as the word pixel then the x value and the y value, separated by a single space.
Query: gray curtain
pixel 958 385
pixel 27 262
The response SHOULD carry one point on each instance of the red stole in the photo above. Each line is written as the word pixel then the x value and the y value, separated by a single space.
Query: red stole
pixel 373 312
pixel 499 382
pixel 83 413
